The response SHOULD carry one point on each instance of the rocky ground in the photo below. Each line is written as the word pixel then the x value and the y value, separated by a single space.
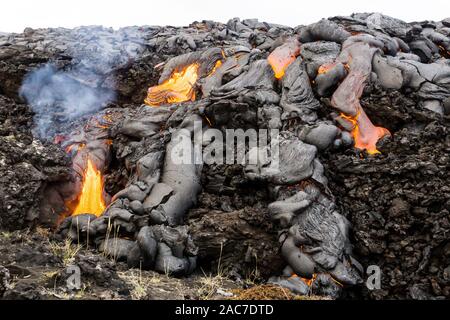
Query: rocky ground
pixel 398 202
pixel 34 266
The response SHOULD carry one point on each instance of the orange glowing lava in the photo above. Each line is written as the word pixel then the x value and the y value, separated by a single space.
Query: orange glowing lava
pixel 216 66
pixel 91 197
pixel 283 56
pixel 365 133
pixel 178 88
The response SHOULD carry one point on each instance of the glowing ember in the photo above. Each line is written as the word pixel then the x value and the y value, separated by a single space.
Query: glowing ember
pixel 91 198
pixel 178 88
pixel 365 134
pixel 283 56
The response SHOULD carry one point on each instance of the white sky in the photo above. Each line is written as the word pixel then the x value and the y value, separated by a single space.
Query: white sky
pixel 15 15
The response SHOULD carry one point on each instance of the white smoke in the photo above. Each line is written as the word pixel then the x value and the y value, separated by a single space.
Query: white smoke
pixel 48 91
pixel 60 96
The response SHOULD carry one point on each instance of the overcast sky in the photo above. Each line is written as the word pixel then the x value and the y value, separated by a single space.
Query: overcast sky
pixel 18 14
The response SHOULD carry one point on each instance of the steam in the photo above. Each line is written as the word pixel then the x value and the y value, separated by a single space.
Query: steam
pixel 58 97
pixel 50 92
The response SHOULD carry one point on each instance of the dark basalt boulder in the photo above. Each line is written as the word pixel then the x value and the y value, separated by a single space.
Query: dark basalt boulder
pixel 321 135
pixel 295 163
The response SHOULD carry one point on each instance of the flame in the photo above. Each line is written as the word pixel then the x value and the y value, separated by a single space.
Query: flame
pixel 91 198
pixel 307 281
pixel 365 134
pixel 282 57
pixel 178 88
pixel 216 66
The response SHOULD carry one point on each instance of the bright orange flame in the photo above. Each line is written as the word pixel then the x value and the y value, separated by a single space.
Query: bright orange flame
pixel 178 88
pixel 91 198
pixel 365 134
pixel 282 57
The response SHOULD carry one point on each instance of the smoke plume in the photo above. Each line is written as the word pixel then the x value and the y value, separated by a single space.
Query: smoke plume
pixel 49 92
pixel 60 96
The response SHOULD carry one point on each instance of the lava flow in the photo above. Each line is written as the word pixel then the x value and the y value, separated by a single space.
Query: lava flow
pixel 178 88
pixel 365 133
pixel 91 197
pixel 283 56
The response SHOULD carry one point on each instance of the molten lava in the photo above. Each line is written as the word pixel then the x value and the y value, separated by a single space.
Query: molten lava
pixel 283 56
pixel 307 281
pixel 178 88
pixel 91 197
pixel 216 66
pixel 365 134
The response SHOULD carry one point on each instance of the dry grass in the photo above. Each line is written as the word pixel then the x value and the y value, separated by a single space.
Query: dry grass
pixel 63 295
pixel 114 237
pixel 270 292
pixel 263 292
pixel 139 282
pixel 56 294
pixel 67 251
pixel 43 232
pixel 211 283
pixel 5 235
pixel 50 275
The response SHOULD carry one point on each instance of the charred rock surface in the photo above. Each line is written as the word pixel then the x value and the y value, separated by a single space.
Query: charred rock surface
pixel 27 166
